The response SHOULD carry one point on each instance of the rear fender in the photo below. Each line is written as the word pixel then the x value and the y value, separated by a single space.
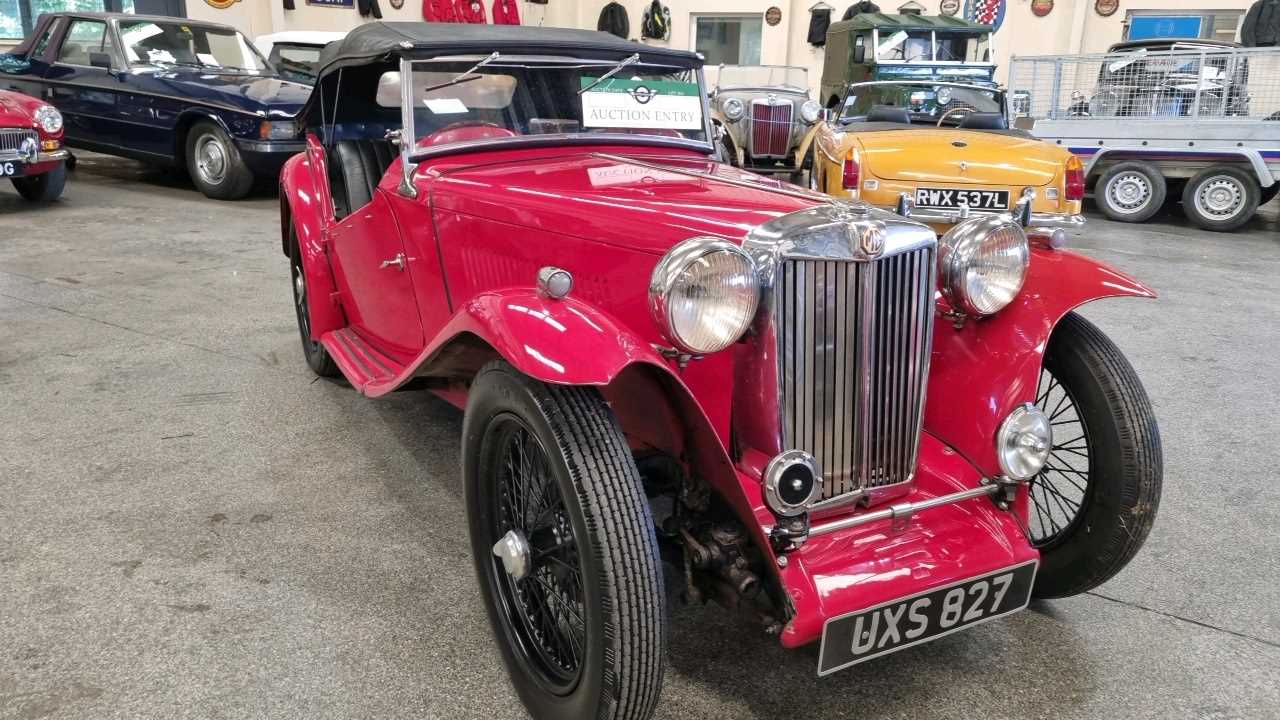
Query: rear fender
pixel 982 371
pixel 302 208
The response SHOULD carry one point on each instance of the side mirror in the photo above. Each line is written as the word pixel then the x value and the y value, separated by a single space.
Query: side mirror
pixel 100 60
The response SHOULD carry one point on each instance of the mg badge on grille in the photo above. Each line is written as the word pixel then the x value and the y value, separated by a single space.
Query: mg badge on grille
pixel 871 242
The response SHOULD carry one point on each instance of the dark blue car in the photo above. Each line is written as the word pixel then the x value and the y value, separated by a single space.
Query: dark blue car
pixel 165 90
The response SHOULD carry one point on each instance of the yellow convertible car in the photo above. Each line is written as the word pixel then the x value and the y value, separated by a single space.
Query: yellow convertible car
pixel 941 151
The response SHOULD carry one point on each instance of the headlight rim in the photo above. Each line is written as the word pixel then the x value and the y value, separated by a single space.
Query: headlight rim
pixel 817 111
pixel 960 244
pixel 665 274
pixel 733 115
pixel 45 112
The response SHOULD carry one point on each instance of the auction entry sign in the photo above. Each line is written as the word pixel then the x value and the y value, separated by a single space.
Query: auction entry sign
pixel 641 104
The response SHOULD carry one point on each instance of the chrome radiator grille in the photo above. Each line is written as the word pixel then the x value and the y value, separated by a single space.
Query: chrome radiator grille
pixel 11 140
pixel 854 342
pixel 770 129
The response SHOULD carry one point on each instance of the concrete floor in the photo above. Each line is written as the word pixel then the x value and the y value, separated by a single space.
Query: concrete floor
pixel 192 526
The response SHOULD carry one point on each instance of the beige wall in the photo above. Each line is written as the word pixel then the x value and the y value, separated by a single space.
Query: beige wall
pixel 1072 27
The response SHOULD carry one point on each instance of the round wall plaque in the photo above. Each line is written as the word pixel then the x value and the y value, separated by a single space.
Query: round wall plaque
pixel 773 16
pixel 221 4
pixel 396 4
pixel 1040 8
pixel 1106 8
pixel 949 7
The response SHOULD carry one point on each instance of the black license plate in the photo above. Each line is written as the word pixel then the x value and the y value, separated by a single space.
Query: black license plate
pixel 898 624
pixel 10 168
pixel 955 197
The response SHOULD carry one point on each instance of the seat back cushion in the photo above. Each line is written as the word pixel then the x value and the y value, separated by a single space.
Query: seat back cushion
pixel 984 121
pixel 889 113
pixel 355 169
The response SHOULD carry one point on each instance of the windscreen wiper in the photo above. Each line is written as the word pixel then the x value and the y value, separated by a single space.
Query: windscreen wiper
pixel 630 60
pixel 464 76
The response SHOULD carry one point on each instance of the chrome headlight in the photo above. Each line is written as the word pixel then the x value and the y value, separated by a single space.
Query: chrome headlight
pixel 733 108
pixel 981 264
pixel 703 294
pixel 1023 442
pixel 49 119
pixel 810 111
pixel 943 95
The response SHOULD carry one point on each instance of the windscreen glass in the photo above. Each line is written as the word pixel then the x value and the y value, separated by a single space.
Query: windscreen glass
pixel 212 49
pixel 925 102
pixel 455 101
pixel 762 76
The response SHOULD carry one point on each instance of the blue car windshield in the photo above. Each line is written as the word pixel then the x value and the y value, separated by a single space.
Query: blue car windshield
pixel 213 49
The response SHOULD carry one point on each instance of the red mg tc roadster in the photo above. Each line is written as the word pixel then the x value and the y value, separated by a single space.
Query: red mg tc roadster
pixel 31 152
pixel 682 380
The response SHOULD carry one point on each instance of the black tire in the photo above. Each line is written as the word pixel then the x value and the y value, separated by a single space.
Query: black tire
pixel 42 188
pixel 316 356
pixel 215 165
pixel 1105 472
pixel 599 505
pixel 1267 194
pixel 1131 191
pixel 1221 198
pixel 726 149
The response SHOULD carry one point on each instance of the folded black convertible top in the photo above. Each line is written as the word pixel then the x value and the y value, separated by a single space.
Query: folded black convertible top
pixel 377 40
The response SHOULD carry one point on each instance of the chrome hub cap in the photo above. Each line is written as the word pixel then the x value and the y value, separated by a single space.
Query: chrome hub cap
pixel 1129 192
pixel 211 160
pixel 513 550
pixel 1220 198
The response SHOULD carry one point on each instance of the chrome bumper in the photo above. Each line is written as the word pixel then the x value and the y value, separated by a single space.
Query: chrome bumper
pixel 1038 219
pixel 41 157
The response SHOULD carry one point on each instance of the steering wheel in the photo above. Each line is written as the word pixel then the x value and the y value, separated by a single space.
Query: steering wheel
pixel 466 130
pixel 953 110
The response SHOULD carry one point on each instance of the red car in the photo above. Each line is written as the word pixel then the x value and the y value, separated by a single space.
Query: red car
pixel 31 152
pixel 682 380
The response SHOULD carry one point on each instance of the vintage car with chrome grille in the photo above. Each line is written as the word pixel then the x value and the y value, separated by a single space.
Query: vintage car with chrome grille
pixel 162 90
pixel 31 152
pixel 765 117
pixel 941 152
pixel 681 380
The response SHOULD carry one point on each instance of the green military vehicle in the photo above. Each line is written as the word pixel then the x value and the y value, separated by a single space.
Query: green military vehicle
pixel 882 47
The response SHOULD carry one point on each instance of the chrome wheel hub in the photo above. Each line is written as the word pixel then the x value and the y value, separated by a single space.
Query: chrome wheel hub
pixel 513 550
pixel 1221 197
pixel 1129 192
pixel 211 160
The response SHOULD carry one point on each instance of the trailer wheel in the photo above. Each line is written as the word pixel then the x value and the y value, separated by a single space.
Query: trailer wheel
pixel 1221 198
pixel 1131 191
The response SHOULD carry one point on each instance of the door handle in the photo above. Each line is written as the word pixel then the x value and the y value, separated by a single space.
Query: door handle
pixel 397 261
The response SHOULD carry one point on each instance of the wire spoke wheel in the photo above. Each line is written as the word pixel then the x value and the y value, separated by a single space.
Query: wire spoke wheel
pixel 1060 493
pixel 545 607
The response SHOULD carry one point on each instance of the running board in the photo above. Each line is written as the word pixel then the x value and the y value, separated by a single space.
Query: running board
pixel 371 372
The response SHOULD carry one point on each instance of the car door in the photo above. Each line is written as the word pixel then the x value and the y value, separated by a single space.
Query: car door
pixel 30 79
pixel 372 268
pixel 85 93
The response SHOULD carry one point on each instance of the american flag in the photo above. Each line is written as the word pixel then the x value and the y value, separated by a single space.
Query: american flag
pixel 987 12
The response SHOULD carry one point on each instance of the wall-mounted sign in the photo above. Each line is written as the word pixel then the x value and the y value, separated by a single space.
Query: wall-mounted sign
pixel 333 3
pixel 1040 8
pixel 221 4
pixel 949 7
pixel 1106 8
pixel 773 16
pixel 985 12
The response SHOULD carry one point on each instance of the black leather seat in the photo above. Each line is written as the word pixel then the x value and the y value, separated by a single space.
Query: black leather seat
pixel 984 121
pixel 355 169
pixel 889 113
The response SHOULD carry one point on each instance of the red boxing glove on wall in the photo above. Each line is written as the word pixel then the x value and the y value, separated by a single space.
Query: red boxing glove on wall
pixel 469 11
pixel 438 11
pixel 506 12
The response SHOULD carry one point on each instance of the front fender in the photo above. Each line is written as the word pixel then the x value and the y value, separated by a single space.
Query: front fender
pixel 983 370
pixel 301 208
pixel 803 149
pixel 566 342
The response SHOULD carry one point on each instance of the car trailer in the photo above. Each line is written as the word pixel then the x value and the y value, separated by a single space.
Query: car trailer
pixel 1197 121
